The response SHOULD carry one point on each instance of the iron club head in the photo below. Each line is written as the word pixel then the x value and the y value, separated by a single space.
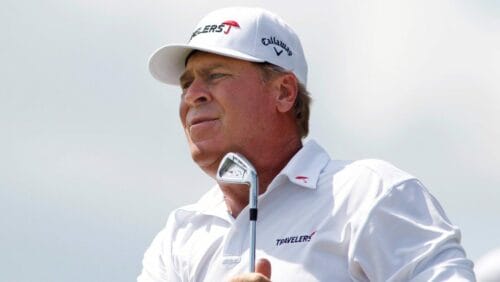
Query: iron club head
pixel 234 168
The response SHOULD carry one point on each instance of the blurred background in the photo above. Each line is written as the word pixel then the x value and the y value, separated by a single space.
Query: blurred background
pixel 93 157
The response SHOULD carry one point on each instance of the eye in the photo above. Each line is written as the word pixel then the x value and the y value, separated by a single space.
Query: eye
pixel 185 85
pixel 216 75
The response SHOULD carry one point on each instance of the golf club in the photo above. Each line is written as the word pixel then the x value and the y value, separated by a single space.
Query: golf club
pixel 234 168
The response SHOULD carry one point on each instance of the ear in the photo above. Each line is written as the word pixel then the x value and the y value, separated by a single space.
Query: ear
pixel 288 89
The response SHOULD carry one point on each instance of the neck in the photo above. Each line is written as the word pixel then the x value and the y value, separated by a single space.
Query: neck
pixel 268 163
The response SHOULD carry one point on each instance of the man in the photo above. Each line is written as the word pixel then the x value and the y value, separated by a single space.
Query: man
pixel 243 76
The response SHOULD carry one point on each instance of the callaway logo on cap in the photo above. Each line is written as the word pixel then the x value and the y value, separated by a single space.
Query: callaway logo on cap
pixel 251 34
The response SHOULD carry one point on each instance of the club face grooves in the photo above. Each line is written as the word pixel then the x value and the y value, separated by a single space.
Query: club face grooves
pixel 234 168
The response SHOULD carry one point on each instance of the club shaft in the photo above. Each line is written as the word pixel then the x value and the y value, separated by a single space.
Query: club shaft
pixel 254 188
pixel 253 229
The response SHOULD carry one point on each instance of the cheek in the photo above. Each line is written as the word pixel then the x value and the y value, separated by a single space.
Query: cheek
pixel 248 116
pixel 183 112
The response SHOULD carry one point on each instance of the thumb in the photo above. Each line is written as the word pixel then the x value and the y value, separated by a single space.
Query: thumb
pixel 263 266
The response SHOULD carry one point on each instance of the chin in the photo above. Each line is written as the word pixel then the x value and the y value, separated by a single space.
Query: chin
pixel 207 160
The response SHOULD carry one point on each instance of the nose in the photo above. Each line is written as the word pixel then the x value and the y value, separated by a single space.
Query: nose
pixel 196 93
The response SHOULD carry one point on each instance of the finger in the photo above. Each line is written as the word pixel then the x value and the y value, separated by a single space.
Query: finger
pixel 263 266
pixel 250 277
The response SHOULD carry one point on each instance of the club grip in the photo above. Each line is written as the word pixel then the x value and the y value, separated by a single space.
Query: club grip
pixel 253 214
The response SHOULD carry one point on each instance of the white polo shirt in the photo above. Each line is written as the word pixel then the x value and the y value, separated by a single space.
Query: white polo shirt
pixel 319 220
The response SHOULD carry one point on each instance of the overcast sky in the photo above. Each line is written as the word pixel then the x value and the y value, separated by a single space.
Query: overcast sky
pixel 93 158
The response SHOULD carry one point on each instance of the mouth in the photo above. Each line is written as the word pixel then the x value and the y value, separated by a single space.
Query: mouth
pixel 199 129
pixel 200 124
pixel 199 121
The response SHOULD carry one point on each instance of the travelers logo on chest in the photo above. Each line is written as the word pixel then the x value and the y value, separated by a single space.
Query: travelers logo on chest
pixel 295 239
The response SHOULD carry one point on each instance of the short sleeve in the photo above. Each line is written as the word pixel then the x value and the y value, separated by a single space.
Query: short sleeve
pixel 406 236
pixel 157 264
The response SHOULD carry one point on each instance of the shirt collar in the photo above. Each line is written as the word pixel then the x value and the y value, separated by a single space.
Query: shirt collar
pixel 211 203
pixel 305 167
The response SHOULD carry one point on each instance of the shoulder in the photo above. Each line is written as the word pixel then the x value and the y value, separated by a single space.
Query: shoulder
pixel 364 174
pixel 379 169
pixel 183 221
pixel 361 184
pixel 209 204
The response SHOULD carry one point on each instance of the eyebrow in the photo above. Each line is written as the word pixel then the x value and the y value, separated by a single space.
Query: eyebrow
pixel 206 69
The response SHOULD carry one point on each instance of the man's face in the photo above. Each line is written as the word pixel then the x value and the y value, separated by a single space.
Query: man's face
pixel 225 106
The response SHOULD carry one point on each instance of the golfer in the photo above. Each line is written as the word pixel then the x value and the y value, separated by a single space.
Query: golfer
pixel 243 76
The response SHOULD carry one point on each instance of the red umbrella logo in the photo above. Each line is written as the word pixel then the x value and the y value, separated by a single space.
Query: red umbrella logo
pixel 300 177
pixel 230 24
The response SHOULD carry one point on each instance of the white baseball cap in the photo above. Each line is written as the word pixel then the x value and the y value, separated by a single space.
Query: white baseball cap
pixel 250 34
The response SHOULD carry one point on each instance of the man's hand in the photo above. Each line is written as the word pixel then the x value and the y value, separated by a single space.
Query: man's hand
pixel 262 273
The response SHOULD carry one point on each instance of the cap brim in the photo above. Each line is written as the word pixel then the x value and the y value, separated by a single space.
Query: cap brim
pixel 168 63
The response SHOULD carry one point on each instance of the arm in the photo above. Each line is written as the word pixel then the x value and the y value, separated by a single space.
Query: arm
pixel 407 237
